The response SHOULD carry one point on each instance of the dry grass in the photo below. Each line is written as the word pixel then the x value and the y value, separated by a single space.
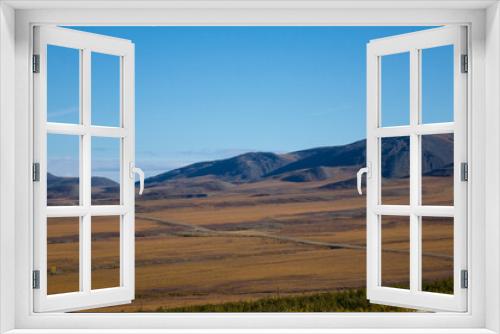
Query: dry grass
pixel 226 247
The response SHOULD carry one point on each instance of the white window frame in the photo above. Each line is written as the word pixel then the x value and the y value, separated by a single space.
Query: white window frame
pixel 16 20
pixel 86 44
pixel 413 44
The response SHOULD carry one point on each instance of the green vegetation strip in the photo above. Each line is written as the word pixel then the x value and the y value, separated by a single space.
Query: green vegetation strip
pixel 351 300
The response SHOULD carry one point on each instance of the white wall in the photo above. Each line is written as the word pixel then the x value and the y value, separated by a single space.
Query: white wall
pixel 492 211
pixel 7 178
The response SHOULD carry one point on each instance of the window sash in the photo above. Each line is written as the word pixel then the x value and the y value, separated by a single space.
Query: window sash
pixel 414 297
pixel 85 298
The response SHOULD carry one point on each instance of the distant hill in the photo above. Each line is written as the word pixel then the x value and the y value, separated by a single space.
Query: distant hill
pixel 334 162
pixel 61 187
pixel 334 156
pixel 319 163
pixel 248 167
pixel 308 174
pixel 68 187
pixel 437 155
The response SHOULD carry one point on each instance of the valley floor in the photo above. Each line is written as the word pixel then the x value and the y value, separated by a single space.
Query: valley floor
pixel 253 243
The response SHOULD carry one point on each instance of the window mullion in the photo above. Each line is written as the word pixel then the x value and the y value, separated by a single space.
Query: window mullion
pixel 415 240
pixel 86 177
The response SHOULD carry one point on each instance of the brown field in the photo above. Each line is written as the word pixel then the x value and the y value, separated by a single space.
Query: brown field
pixel 255 240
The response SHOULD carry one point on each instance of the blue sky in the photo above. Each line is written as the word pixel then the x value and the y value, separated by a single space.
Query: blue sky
pixel 205 93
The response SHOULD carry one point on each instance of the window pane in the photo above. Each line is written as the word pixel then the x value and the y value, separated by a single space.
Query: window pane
pixel 105 89
pixel 395 251
pixel 105 170
pixel 63 84
pixel 437 254
pixel 63 255
pixel 395 89
pixel 105 252
pixel 395 170
pixel 437 84
pixel 63 169
pixel 437 169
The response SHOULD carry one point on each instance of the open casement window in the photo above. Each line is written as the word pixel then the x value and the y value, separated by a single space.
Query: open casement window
pixel 84 127
pixel 417 215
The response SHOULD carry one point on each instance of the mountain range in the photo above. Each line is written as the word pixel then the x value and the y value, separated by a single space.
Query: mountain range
pixel 317 163
pixel 301 166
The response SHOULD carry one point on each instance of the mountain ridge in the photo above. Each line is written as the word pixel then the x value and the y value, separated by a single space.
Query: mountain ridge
pixel 307 165
pixel 317 163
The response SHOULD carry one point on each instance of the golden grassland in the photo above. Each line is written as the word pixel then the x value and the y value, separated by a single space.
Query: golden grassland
pixel 251 242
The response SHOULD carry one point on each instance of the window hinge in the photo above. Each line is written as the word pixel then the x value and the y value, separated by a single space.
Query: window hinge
pixel 465 64
pixel 36 63
pixel 36 172
pixel 464 279
pixel 464 171
pixel 36 279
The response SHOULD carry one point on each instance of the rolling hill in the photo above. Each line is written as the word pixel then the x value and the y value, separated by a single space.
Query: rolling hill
pixel 309 165
pixel 68 188
pixel 318 163
pixel 248 167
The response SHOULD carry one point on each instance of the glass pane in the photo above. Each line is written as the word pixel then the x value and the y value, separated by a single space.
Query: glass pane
pixel 63 169
pixel 437 169
pixel 63 255
pixel 395 251
pixel 105 252
pixel 437 84
pixel 105 89
pixel 63 84
pixel 395 89
pixel 395 170
pixel 105 170
pixel 437 254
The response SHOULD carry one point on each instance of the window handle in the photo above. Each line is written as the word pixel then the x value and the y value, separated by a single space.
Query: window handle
pixel 136 170
pixel 359 176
